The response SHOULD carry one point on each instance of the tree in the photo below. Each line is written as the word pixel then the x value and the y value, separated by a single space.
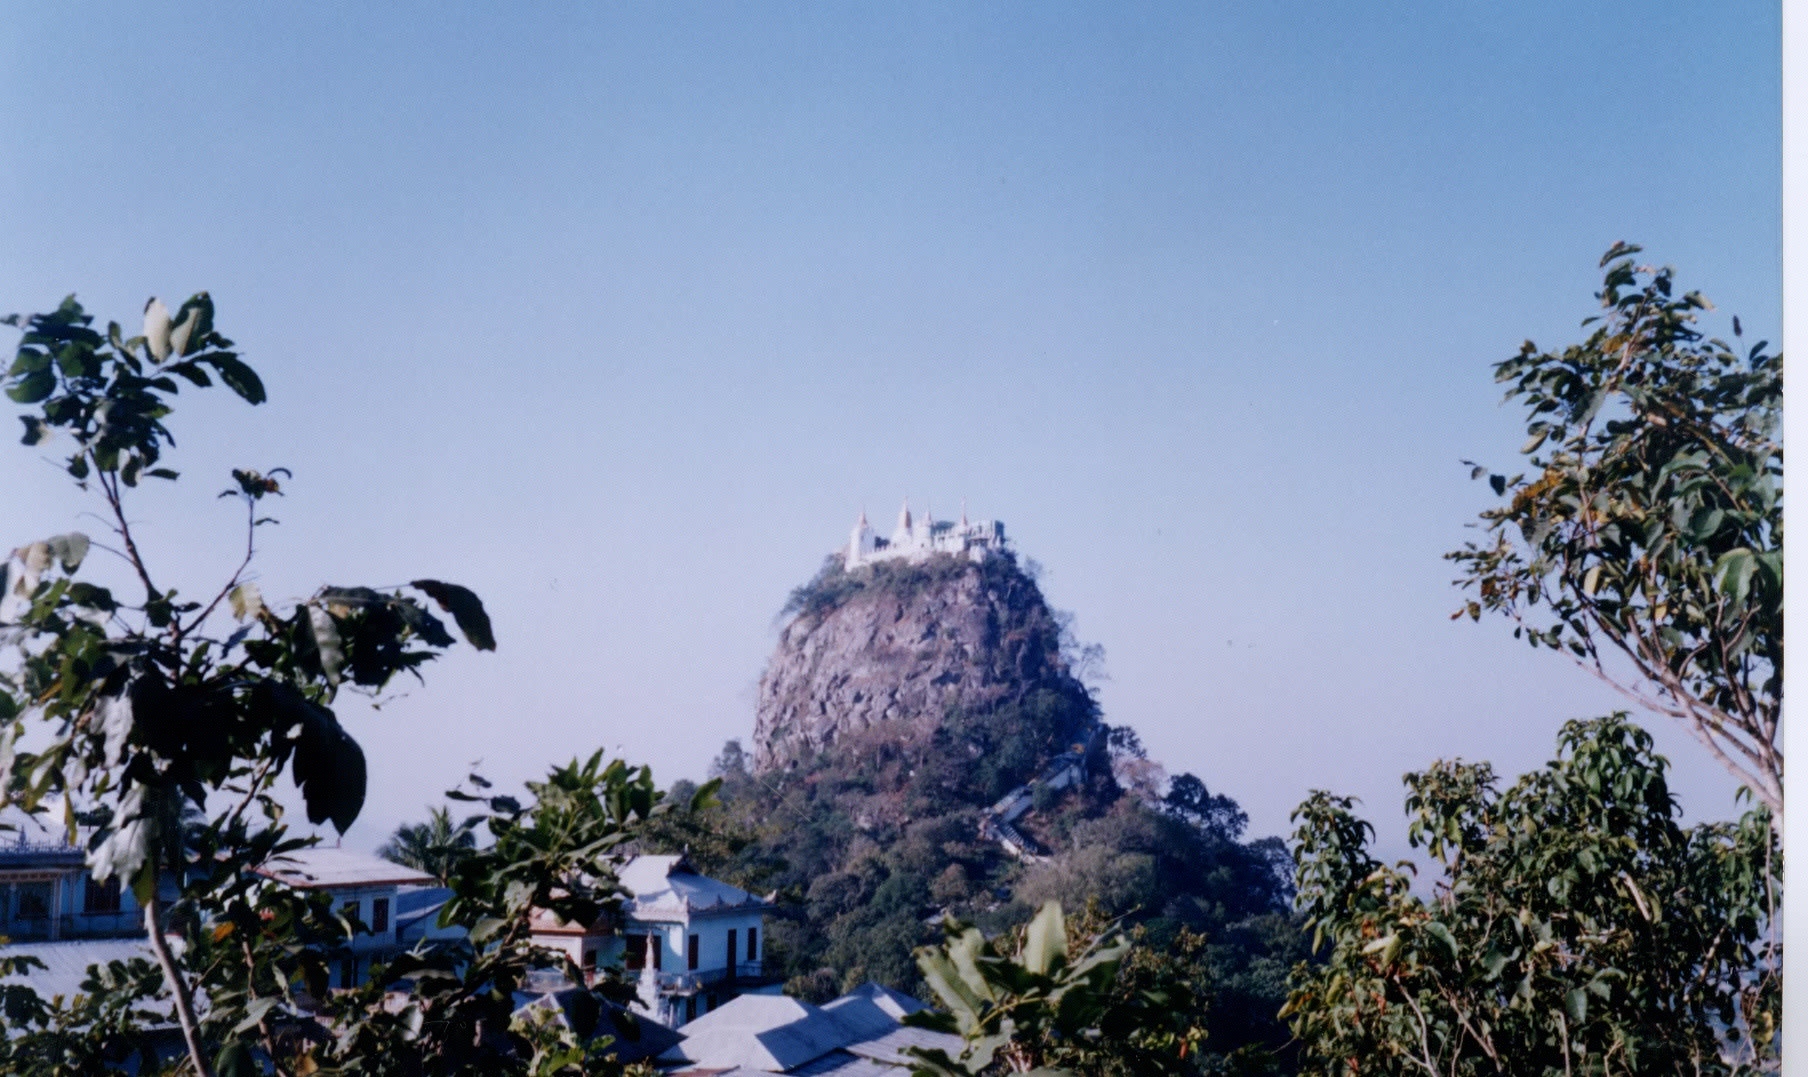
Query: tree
pixel 1574 928
pixel 1647 538
pixel 1213 813
pixel 136 712
pixel 1042 1001
pixel 436 846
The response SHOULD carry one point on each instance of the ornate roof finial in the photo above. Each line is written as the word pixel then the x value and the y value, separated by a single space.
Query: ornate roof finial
pixel 904 515
pixel 963 514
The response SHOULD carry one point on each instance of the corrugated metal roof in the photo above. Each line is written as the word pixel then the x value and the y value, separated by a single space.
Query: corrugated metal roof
pixel 893 1047
pixel 854 1035
pixel 661 887
pixel 843 1064
pixel 66 963
pixel 319 868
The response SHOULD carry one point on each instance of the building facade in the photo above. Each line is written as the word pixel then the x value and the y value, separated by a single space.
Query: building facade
pixel 46 892
pixel 367 889
pixel 695 942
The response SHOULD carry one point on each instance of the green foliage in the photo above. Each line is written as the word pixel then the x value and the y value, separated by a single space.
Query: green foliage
pixel 1649 531
pixel 833 585
pixel 436 846
pixel 1575 928
pixel 169 732
pixel 1042 1002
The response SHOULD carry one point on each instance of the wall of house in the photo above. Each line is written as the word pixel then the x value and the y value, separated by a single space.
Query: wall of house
pixel 32 897
pixel 712 940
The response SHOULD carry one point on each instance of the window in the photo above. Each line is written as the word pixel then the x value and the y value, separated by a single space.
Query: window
pixel 348 973
pixel 733 949
pixel 34 902
pixel 692 953
pixel 590 960
pixel 379 915
pixel 753 944
pixel 101 897
pixel 656 946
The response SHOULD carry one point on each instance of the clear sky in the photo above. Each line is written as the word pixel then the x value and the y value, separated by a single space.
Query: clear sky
pixel 620 314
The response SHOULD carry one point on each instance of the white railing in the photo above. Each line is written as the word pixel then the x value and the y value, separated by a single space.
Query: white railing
pixel 684 983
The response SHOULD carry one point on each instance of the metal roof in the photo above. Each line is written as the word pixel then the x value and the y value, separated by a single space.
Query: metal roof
pixel 322 868
pixel 666 888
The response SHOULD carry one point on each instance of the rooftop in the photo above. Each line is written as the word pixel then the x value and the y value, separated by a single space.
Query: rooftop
pixel 322 867
pixel 855 1034
pixel 665 886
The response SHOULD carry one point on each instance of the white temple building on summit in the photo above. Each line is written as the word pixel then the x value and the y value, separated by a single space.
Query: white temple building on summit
pixel 920 539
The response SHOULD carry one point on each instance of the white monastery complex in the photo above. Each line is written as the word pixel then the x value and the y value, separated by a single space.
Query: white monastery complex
pixel 918 540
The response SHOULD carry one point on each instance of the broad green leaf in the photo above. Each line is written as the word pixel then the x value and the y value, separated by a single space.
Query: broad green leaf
pixel 466 609
pixel 33 387
pixel 1046 941
pixel 238 377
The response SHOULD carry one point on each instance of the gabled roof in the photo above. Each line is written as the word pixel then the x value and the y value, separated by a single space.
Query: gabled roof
pixel 895 1005
pixel 321 868
pixel 855 1035
pixel 665 888
pixel 769 1033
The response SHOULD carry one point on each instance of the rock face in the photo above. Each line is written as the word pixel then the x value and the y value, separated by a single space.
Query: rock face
pixel 906 645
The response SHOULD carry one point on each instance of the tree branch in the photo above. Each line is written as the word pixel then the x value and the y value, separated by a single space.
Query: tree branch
pixel 185 1005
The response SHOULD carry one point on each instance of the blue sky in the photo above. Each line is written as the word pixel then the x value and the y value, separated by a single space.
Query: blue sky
pixel 620 314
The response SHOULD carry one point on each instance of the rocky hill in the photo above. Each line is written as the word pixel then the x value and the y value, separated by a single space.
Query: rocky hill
pixel 923 750
pixel 906 649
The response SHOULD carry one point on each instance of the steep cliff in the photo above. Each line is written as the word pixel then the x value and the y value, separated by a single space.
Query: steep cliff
pixel 909 649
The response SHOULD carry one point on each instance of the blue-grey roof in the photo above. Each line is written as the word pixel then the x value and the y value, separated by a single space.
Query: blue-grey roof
pixel 852 1036
pixel 894 1047
pixel 416 899
pixel 844 1064
pixel 66 963
pixel 664 888
pixel 770 1033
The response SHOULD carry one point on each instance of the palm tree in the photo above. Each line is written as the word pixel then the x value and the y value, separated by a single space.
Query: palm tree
pixel 435 846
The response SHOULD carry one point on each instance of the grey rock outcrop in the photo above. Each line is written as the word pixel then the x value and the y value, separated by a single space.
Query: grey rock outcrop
pixel 904 646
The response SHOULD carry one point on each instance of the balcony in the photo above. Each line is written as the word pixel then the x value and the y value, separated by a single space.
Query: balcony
pixel 87 925
pixel 744 974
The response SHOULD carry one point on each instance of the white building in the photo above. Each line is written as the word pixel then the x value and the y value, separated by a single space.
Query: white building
pixel 916 540
pixel 367 889
pixel 695 941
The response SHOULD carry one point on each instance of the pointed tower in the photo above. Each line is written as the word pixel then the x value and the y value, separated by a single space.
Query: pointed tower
pixel 860 543
pixel 901 538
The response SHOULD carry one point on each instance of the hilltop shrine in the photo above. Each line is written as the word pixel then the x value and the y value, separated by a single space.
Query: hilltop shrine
pixel 918 540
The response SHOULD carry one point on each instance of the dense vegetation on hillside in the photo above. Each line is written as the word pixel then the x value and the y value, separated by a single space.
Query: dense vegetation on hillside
pixel 871 841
